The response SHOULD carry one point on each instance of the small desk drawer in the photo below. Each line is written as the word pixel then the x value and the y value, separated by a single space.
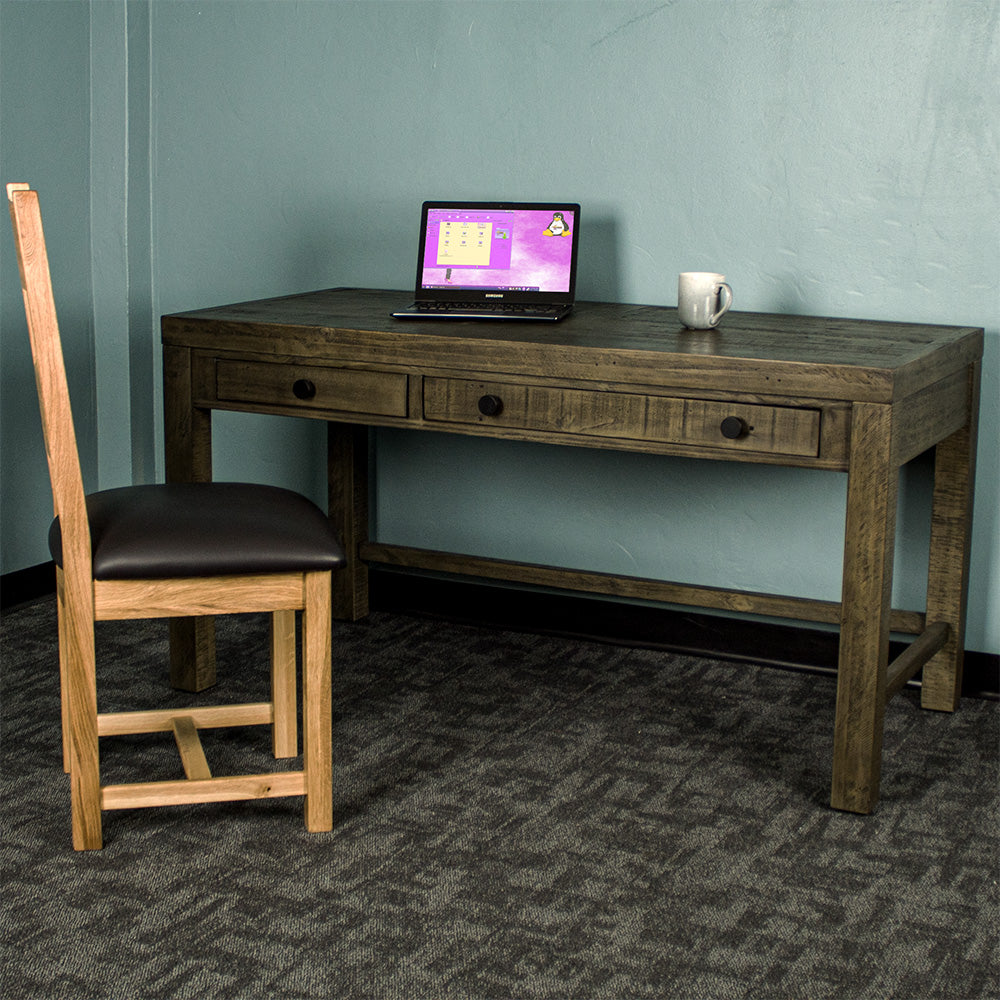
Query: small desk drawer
pixel 312 387
pixel 779 430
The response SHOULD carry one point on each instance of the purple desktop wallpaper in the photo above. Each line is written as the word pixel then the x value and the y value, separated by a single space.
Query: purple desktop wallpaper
pixel 526 250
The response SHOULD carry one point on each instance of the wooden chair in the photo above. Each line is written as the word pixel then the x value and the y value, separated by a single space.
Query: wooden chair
pixel 181 549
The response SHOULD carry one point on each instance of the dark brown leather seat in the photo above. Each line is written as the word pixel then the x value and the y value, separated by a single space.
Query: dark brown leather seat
pixel 203 529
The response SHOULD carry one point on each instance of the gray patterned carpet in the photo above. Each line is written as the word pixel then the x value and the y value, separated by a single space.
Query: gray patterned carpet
pixel 516 816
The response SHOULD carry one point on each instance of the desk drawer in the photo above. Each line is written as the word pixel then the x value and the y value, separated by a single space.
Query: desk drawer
pixel 779 430
pixel 312 387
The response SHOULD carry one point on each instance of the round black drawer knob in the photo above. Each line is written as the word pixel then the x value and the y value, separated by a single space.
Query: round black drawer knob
pixel 490 406
pixel 734 427
pixel 302 388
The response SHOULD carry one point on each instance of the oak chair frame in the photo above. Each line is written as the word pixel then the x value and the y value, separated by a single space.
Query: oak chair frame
pixel 83 600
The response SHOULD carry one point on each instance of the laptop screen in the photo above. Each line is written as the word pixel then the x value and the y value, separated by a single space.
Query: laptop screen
pixel 497 250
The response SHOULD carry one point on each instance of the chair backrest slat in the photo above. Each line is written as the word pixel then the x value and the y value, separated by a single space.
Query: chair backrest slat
pixel 50 377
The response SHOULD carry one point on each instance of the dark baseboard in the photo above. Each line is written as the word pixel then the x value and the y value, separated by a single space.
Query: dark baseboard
pixel 26 585
pixel 788 647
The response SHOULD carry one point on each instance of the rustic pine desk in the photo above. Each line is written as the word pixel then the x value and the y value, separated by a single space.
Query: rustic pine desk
pixel 841 395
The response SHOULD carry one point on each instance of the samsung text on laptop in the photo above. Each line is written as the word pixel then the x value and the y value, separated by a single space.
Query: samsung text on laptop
pixel 496 260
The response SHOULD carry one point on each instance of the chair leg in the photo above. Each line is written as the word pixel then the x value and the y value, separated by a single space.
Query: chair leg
pixel 283 684
pixel 317 708
pixel 77 655
pixel 61 613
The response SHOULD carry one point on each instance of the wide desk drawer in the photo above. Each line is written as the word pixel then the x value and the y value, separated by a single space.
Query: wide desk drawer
pixel 312 387
pixel 778 430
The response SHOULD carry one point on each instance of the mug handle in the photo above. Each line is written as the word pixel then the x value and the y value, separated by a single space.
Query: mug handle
pixel 725 294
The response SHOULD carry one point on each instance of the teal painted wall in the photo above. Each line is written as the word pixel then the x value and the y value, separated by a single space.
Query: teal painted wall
pixel 834 158
pixel 44 140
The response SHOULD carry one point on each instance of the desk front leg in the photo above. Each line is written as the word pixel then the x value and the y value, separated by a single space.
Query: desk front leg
pixel 347 477
pixel 948 565
pixel 869 538
pixel 188 446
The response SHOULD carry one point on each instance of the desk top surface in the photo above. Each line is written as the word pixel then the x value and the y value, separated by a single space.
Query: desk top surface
pixel 760 352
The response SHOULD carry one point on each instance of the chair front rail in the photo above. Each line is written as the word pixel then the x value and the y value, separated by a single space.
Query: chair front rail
pixel 121 600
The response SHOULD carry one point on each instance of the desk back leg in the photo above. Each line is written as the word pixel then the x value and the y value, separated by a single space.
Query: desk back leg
pixel 347 477
pixel 948 574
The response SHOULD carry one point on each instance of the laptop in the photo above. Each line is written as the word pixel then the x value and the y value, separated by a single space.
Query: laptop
pixel 496 260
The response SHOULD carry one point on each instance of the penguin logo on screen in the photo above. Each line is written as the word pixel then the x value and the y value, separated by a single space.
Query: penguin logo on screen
pixel 557 227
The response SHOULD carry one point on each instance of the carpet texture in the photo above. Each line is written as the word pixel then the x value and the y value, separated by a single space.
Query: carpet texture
pixel 515 816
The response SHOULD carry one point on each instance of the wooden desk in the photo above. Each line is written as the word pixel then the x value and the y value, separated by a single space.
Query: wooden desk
pixel 841 395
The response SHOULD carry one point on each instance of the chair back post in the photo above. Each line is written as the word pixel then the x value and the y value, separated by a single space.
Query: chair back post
pixel 50 377
pixel 75 587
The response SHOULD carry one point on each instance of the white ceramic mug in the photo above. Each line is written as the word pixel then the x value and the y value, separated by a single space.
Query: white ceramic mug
pixel 702 299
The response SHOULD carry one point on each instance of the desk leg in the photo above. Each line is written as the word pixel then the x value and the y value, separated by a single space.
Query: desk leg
pixel 864 630
pixel 188 434
pixel 347 476
pixel 948 574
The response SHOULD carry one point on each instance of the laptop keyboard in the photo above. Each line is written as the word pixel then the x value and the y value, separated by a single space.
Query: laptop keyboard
pixel 505 309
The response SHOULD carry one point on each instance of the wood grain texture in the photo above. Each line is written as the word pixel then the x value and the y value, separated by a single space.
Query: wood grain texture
pixel 189 746
pixel 284 684
pixel 144 795
pixel 749 352
pixel 312 387
pixel 188 459
pixel 556 411
pixel 931 415
pixel 811 433
pixel 634 587
pixel 914 657
pixel 75 596
pixel 948 565
pixel 317 704
pixel 78 657
pixel 64 676
pixel 192 654
pixel 81 600
pixel 182 596
pixel 864 628
pixel 833 394
pixel 160 720
pixel 347 500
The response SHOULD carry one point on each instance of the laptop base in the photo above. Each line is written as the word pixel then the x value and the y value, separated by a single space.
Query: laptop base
pixel 507 313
